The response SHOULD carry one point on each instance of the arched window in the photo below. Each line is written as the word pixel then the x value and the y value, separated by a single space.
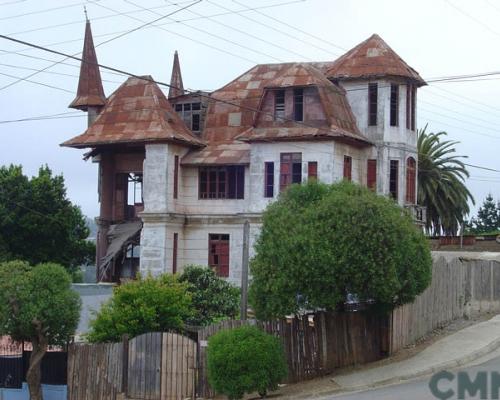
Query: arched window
pixel 411 172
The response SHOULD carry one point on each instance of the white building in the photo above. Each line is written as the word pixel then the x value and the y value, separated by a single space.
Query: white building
pixel 180 176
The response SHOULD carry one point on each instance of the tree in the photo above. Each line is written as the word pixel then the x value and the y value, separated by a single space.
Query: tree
pixel 38 223
pixel 441 183
pixel 144 305
pixel 320 243
pixel 244 360
pixel 213 298
pixel 488 217
pixel 37 305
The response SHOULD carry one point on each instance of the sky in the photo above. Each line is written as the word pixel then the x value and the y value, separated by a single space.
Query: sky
pixel 217 40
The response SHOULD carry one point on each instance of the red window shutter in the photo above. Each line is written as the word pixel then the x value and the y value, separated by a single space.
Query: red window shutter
pixel 410 180
pixel 176 176
pixel 347 168
pixel 371 175
pixel 408 106
pixel 174 253
pixel 285 174
pixel 312 170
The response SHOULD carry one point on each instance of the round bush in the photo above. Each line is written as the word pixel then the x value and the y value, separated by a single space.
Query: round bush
pixel 245 360
pixel 320 243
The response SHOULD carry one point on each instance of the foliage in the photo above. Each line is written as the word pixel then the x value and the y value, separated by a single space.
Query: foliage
pixel 213 298
pixel 245 360
pixel 320 243
pixel 488 217
pixel 143 305
pixel 37 305
pixel 38 223
pixel 441 183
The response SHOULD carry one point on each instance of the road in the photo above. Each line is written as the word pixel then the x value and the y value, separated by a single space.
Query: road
pixel 419 389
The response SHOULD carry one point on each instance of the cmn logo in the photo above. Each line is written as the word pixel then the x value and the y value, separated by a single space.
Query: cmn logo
pixel 486 384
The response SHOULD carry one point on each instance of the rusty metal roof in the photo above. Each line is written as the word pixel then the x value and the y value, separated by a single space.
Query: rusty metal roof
pixel 176 85
pixel 90 91
pixel 219 154
pixel 137 112
pixel 371 59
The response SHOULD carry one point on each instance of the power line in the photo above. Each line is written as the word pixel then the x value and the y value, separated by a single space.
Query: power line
pixel 246 33
pixel 298 29
pixel 37 83
pixel 476 20
pixel 206 33
pixel 106 41
pixel 271 27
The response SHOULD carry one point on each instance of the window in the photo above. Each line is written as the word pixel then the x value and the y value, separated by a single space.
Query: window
pixel 269 179
pixel 408 106
pixel 371 175
pixel 134 189
pixel 279 105
pixel 394 105
pixel 290 169
pixel 372 103
pixel 298 104
pixel 190 114
pixel 312 170
pixel 218 253
pixel 413 103
pixel 347 168
pixel 174 252
pixel 222 182
pixel 393 179
pixel 176 176
pixel 195 122
pixel 410 180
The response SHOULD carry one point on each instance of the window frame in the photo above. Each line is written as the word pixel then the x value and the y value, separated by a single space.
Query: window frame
pixel 176 176
pixel 269 179
pixel 394 179
pixel 347 172
pixel 279 114
pixel 219 240
pixel 371 174
pixel 223 187
pixel 394 105
pixel 312 170
pixel 372 103
pixel 294 173
pixel 298 93
pixel 411 180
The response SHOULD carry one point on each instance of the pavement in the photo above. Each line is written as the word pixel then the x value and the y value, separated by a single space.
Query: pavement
pixel 458 349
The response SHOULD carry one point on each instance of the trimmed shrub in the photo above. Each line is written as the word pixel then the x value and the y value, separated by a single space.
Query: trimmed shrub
pixel 320 243
pixel 245 360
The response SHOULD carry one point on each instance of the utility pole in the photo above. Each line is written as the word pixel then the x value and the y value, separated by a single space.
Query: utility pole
pixel 244 271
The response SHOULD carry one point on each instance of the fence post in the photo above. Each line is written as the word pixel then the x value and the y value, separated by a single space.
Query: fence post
pixel 125 365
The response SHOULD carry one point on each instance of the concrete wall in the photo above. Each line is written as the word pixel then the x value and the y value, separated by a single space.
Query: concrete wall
pixel 92 296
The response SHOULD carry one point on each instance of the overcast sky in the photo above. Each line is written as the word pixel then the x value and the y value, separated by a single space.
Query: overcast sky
pixel 216 44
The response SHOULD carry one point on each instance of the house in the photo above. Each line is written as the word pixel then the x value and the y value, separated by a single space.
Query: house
pixel 179 176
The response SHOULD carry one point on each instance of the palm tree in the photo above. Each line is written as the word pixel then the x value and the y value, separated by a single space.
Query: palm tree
pixel 441 183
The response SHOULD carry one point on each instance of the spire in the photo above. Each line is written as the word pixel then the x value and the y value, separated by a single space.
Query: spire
pixel 90 92
pixel 176 86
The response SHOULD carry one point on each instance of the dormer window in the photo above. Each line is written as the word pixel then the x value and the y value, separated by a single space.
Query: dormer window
pixel 279 105
pixel 298 104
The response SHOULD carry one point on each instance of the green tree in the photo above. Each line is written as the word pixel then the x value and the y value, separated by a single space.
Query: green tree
pixel 245 360
pixel 38 223
pixel 321 242
pixel 488 217
pixel 441 183
pixel 37 305
pixel 214 299
pixel 144 305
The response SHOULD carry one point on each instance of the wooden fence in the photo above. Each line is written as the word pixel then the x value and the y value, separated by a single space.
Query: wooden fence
pixel 314 345
pixel 460 287
pixel 152 366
